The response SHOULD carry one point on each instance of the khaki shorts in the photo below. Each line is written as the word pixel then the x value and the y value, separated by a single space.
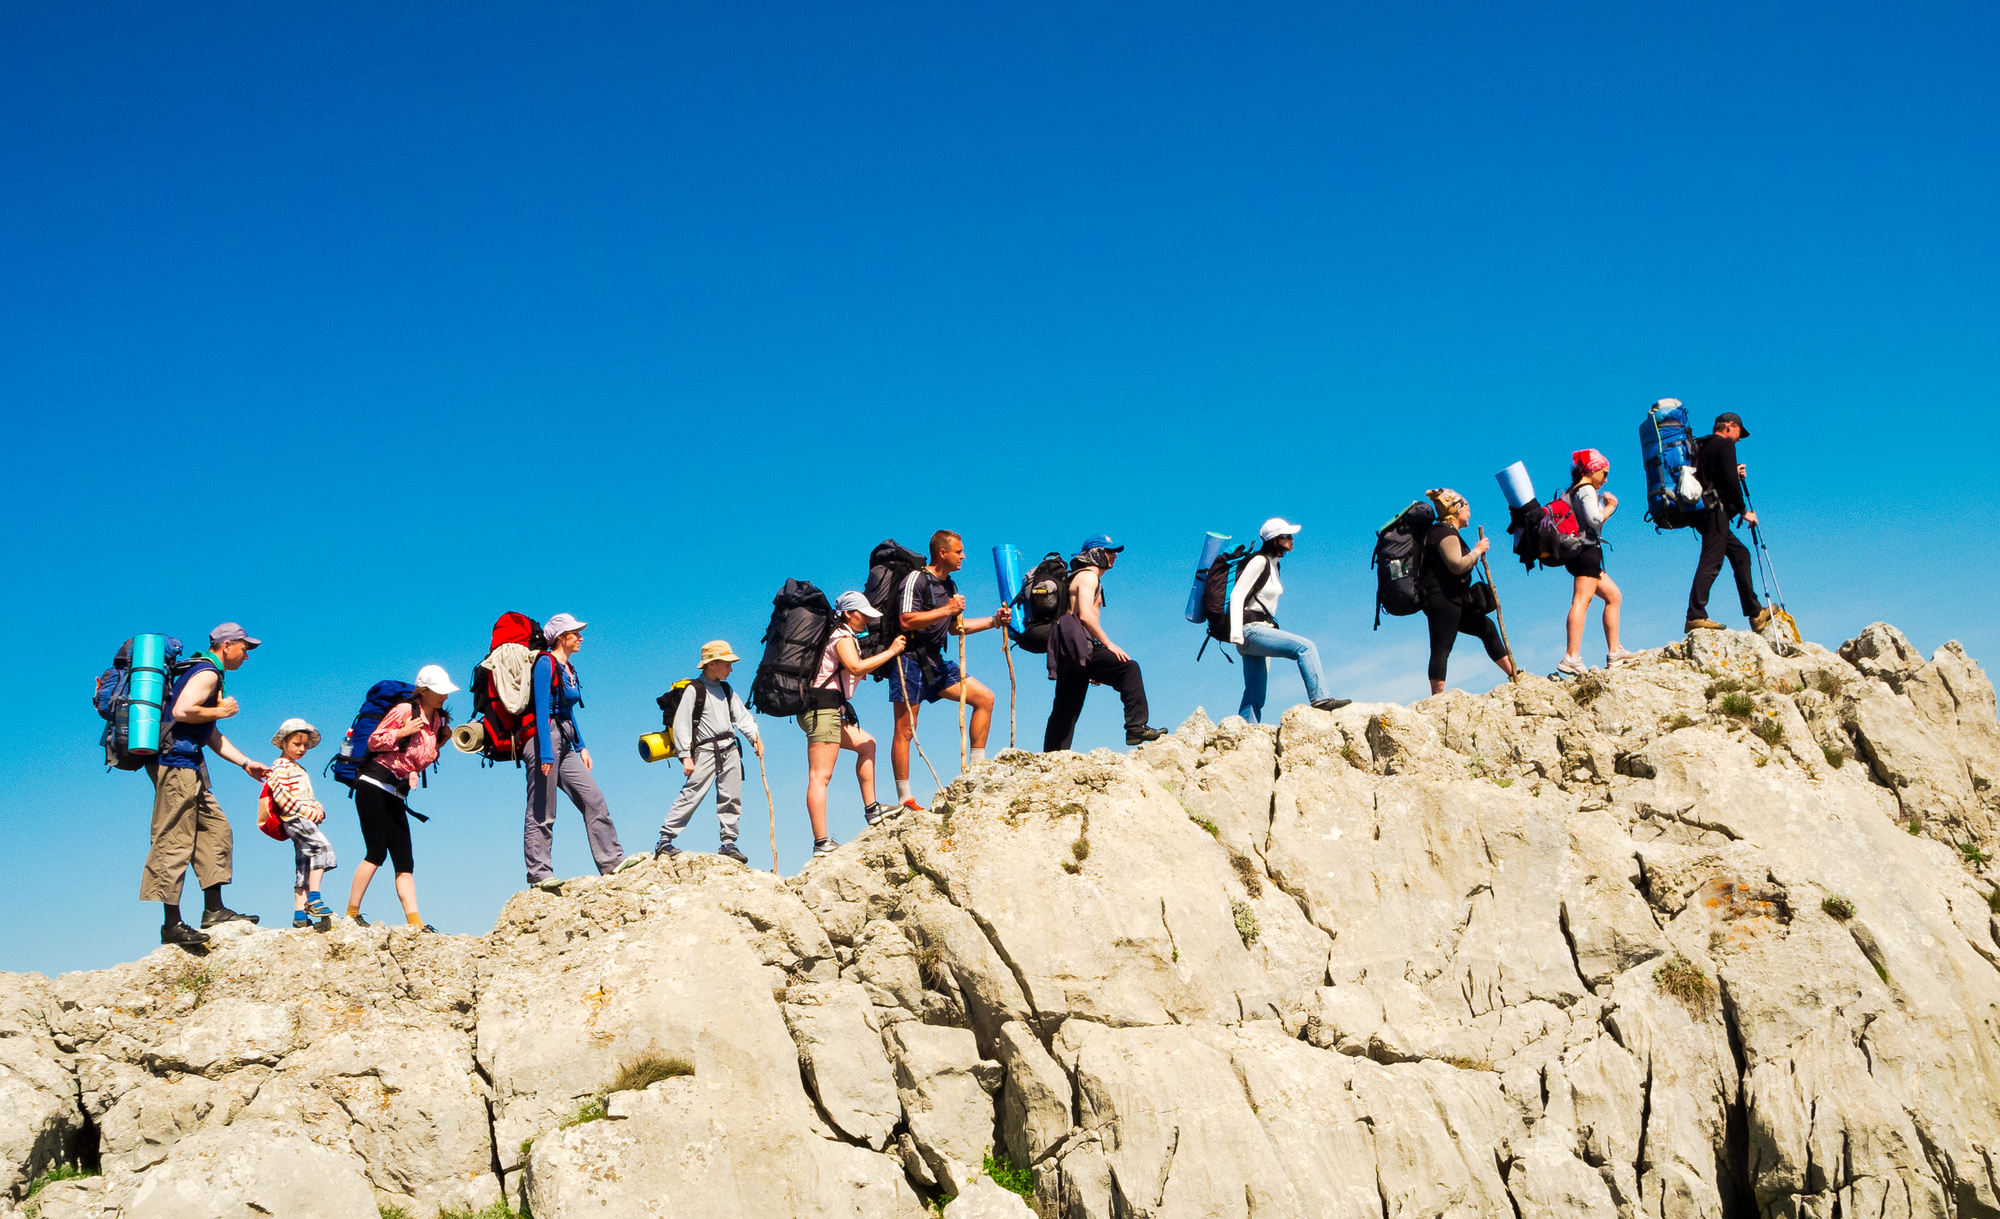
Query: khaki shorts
pixel 821 725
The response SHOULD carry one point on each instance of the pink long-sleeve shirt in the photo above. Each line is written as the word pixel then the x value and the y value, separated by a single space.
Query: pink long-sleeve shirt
pixel 404 758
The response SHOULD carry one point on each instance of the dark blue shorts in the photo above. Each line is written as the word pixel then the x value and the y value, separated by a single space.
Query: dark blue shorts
pixel 944 675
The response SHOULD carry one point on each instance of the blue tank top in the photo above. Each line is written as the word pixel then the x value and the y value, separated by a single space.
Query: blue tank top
pixel 190 739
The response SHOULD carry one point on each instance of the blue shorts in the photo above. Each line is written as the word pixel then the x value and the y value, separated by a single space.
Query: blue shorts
pixel 910 670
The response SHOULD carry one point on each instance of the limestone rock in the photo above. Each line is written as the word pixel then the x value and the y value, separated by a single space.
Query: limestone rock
pixel 947 1094
pixel 39 1113
pixel 1035 1105
pixel 985 1200
pixel 840 1045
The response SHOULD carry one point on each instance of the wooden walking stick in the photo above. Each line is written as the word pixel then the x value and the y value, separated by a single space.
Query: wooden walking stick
pixel 772 805
pixel 964 754
pixel 1487 570
pixel 1007 651
pixel 903 688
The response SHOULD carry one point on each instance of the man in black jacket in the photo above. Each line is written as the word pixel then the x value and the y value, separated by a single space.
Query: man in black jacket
pixel 1716 466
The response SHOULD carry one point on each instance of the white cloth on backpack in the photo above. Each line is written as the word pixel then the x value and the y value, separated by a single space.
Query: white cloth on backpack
pixel 513 668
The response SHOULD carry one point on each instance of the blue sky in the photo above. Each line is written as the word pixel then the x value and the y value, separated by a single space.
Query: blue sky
pixel 363 323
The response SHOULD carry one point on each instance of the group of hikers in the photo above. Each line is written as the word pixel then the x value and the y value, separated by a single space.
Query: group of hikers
pixel 526 692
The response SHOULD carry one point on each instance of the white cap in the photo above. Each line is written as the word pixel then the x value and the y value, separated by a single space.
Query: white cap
pixel 855 603
pixel 1277 526
pixel 435 679
pixel 561 624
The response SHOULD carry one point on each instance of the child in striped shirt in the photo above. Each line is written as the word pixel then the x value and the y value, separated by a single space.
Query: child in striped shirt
pixel 291 794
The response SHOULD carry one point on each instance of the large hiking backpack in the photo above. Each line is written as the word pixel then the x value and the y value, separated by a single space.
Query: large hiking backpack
pixel 383 696
pixel 1560 533
pixel 1399 560
pixel 670 705
pixel 113 700
pixel 506 732
pixel 801 623
pixel 1673 493
pixel 890 566
pixel 1043 601
pixel 1218 589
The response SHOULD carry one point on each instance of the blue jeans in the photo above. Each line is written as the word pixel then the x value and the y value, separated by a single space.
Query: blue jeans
pixel 1262 640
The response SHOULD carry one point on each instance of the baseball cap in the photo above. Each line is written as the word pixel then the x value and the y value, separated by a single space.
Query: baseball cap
pixel 1732 417
pixel 1099 541
pixel 717 649
pixel 230 632
pixel 1276 527
pixel 434 678
pixel 855 603
pixel 561 624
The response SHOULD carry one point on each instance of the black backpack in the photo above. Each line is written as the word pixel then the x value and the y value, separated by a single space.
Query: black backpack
pixel 1043 601
pixel 801 624
pixel 1399 559
pixel 890 566
pixel 1218 587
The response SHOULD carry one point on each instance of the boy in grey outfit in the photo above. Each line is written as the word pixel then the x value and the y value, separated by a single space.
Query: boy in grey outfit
pixel 710 752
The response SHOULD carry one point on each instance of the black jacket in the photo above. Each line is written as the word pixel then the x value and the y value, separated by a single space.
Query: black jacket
pixel 1715 466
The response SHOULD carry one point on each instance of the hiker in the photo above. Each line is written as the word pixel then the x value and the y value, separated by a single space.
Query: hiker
pixel 1721 475
pixel 562 762
pixel 1081 655
pixel 1451 607
pixel 1253 625
pixel 189 825
pixel 404 742
pixel 830 729
pixel 1592 506
pixel 300 815
pixel 930 613
pixel 712 755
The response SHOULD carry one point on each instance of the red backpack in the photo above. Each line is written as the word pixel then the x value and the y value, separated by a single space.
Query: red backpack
pixel 508 735
pixel 1560 536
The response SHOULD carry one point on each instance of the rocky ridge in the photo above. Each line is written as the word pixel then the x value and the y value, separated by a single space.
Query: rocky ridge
pixel 1713 933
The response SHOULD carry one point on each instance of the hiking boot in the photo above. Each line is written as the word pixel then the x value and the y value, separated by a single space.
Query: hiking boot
pixel 217 917
pixel 728 851
pixel 1612 658
pixel 911 805
pixel 665 850
pixel 359 921
pixel 427 929
pixel 1573 665
pixel 628 863
pixel 1762 619
pixel 183 936
pixel 1139 736
pixel 1330 704
pixel 875 812
pixel 548 884
pixel 824 846
pixel 1705 624
pixel 301 921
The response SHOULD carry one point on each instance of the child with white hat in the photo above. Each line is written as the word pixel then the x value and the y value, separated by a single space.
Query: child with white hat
pixel 290 791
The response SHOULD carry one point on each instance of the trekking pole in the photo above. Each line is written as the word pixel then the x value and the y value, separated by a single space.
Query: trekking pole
pixel 772 805
pixel 903 688
pixel 1769 571
pixel 964 754
pixel 1486 569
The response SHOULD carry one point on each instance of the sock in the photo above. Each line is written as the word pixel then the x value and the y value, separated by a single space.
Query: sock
pixel 173 910
pixel 353 910
pixel 312 895
pixel 416 920
pixel 979 755
pixel 902 789
pixel 300 916
pixel 211 898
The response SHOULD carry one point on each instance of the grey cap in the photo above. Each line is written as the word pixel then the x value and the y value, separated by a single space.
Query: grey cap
pixel 230 632
pixel 855 603
pixel 561 624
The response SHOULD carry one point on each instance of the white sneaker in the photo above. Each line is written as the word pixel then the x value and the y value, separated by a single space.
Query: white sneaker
pixel 629 862
pixel 1573 665
pixel 1613 658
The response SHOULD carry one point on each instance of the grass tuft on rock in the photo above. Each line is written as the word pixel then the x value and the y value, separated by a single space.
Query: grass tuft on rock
pixel 1769 731
pixel 1970 852
pixel 1014 1180
pixel 930 965
pixel 1738 705
pixel 1838 907
pixel 638 1074
pixel 1247 872
pixel 1246 921
pixel 590 1111
pixel 494 1210
pixel 1681 720
pixel 61 1172
pixel 1203 820
pixel 1682 979
pixel 1835 758
pixel 1465 1062
pixel 1993 901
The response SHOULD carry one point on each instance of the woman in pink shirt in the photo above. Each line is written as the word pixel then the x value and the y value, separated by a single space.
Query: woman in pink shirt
pixel 404 742
pixel 828 720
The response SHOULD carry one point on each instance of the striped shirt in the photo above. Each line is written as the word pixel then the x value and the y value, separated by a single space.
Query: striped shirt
pixel 292 790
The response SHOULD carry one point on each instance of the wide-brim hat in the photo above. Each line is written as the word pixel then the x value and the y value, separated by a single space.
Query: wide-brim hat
pixel 717 649
pixel 290 726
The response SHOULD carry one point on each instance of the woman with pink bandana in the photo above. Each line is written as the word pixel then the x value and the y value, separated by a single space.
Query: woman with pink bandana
pixel 1593 506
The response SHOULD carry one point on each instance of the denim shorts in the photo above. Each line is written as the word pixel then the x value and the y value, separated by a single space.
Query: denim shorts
pixel 907 674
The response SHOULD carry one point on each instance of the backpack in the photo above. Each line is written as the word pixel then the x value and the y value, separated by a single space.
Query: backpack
pixel 506 732
pixel 670 704
pixel 383 697
pixel 114 699
pixel 267 815
pixel 1673 493
pixel 890 566
pixel 1218 589
pixel 1044 599
pixel 1399 560
pixel 1559 533
pixel 801 623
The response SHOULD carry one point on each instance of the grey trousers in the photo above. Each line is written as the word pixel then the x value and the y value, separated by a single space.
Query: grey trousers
pixel 718 765
pixel 569 775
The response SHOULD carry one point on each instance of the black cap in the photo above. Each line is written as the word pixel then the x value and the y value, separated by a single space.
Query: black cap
pixel 1731 417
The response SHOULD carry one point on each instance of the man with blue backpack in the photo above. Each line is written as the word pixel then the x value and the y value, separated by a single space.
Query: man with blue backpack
pixel 189 826
pixel 1721 477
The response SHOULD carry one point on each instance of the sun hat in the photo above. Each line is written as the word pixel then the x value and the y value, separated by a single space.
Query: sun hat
pixel 717 649
pixel 1590 461
pixel 855 603
pixel 230 632
pixel 1098 541
pixel 292 725
pixel 435 679
pixel 1277 527
pixel 561 624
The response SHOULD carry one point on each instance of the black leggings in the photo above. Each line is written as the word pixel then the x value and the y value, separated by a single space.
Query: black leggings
pixel 1448 621
pixel 385 827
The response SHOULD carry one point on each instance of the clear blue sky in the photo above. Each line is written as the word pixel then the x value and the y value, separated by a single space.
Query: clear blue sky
pixel 363 323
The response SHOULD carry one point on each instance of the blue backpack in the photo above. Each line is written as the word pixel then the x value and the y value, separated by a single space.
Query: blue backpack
pixel 382 698
pixel 1673 493
pixel 114 693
